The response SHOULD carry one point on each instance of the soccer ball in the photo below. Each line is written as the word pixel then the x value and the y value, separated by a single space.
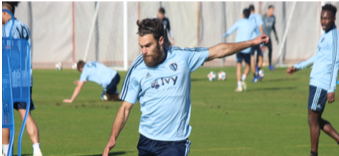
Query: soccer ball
pixel 221 76
pixel 74 66
pixel 211 76
pixel 58 66
pixel 261 73
pixel 103 96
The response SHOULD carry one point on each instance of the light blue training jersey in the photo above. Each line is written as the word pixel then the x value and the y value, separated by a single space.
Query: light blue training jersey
pixel 325 62
pixel 246 29
pixel 257 19
pixel 164 93
pixel 20 30
pixel 98 73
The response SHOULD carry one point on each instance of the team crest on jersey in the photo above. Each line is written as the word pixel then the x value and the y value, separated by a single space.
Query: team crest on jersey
pixel 322 40
pixel 173 66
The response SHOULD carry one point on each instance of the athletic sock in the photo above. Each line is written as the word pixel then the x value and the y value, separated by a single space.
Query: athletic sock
pixel 5 148
pixel 243 77
pixel 36 148
pixel 259 68
pixel 338 142
pixel 314 153
pixel 254 75
pixel 239 84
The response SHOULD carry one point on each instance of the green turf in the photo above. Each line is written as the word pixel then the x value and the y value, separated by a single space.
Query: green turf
pixel 270 118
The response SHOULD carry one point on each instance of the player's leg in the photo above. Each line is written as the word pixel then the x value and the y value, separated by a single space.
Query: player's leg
pixel 239 58
pixel 260 61
pixel 327 127
pixel 246 71
pixel 313 118
pixel 112 92
pixel 253 61
pixel 5 140
pixel 32 130
pixel 269 47
pixel 316 105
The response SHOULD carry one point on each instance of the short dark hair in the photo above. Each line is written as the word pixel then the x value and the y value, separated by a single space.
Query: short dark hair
pixel 10 5
pixel 270 6
pixel 330 7
pixel 251 7
pixel 150 26
pixel 161 10
pixel 246 12
pixel 80 64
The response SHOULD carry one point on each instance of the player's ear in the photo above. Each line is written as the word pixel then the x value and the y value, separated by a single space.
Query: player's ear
pixel 161 40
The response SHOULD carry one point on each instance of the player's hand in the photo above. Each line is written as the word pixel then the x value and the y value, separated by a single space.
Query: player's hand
pixel 277 41
pixel 330 97
pixel 67 101
pixel 172 42
pixel 76 82
pixel 291 70
pixel 260 39
pixel 108 147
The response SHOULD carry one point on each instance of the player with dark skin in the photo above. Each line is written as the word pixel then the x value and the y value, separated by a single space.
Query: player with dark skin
pixel 327 20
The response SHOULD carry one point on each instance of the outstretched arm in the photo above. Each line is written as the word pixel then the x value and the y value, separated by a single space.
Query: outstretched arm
pixel 300 66
pixel 118 124
pixel 76 92
pixel 225 49
pixel 231 30
pixel 275 33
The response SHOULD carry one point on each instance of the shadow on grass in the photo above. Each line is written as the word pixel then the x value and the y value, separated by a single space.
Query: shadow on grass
pixel 281 79
pixel 274 88
pixel 201 79
pixel 111 153
pixel 24 155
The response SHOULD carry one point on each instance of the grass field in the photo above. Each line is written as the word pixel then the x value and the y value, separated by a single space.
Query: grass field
pixel 270 118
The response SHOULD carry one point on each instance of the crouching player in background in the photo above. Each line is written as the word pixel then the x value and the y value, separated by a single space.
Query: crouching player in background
pixel 323 77
pixel 98 73
pixel 20 30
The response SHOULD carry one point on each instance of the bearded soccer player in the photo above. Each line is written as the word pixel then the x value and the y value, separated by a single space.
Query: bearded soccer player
pixel 324 75
pixel 20 30
pixel 160 79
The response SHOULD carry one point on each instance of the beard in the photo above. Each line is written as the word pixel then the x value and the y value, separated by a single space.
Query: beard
pixel 155 58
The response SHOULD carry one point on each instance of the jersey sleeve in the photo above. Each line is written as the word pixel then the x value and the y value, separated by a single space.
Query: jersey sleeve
pixel 335 64
pixel 259 20
pixel 305 64
pixel 130 89
pixel 196 57
pixel 231 30
pixel 83 76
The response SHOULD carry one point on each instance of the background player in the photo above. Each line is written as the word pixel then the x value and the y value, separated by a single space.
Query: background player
pixel 167 28
pixel 160 79
pixel 323 77
pixel 268 26
pixel 99 73
pixel 256 18
pixel 245 28
pixel 20 30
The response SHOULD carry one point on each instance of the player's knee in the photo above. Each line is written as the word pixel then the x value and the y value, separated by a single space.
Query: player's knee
pixel 322 123
pixel 312 120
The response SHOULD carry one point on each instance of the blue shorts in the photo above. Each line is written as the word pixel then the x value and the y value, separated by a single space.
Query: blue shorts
pixel 22 105
pixel 317 99
pixel 256 48
pixel 241 56
pixel 112 87
pixel 148 147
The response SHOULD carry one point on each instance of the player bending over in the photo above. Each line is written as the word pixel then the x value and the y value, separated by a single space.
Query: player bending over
pixel 245 28
pixel 324 75
pixel 160 80
pixel 99 73
pixel 20 30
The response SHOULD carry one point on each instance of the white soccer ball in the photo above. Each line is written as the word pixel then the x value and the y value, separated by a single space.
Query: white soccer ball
pixel 58 66
pixel 103 97
pixel 261 73
pixel 221 76
pixel 74 66
pixel 211 76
